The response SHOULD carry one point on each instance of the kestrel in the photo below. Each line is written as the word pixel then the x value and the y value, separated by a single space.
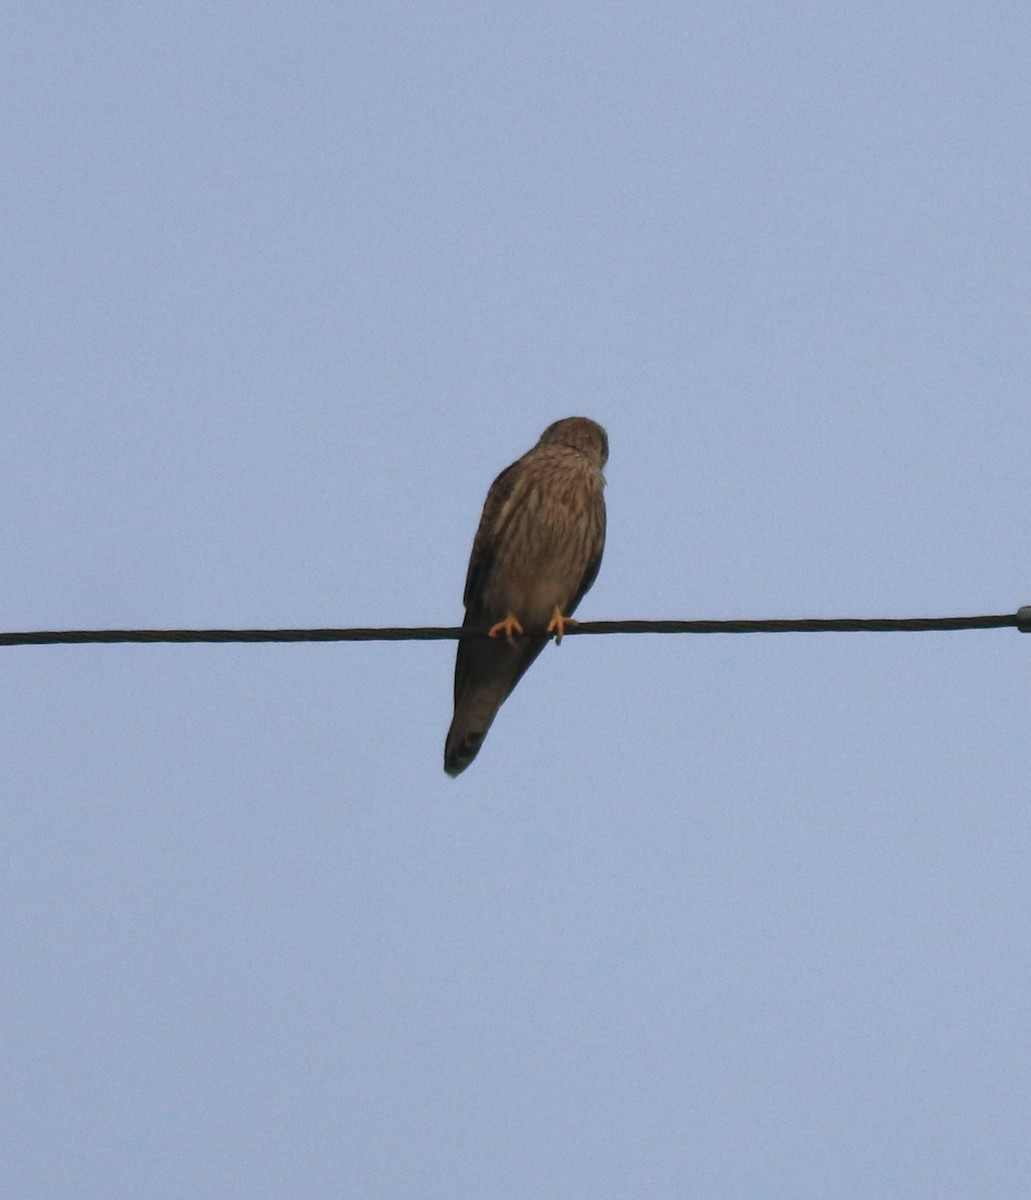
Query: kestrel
pixel 535 554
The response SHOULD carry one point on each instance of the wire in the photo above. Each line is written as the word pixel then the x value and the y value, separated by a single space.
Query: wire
pixel 1021 620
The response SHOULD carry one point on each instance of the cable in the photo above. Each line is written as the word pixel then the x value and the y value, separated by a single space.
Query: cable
pixel 1021 620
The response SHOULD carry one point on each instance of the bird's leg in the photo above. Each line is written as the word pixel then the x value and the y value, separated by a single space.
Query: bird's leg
pixel 557 624
pixel 507 628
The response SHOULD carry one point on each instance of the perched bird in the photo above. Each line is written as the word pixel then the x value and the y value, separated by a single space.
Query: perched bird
pixel 535 554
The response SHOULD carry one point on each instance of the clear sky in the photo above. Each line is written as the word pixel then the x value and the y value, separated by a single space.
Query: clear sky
pixel 283 288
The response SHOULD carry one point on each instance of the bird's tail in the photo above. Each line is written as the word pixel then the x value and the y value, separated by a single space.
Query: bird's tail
pixel 464 739
pixel 485 674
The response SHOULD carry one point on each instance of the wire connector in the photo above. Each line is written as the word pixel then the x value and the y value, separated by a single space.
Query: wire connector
pixel 1024 619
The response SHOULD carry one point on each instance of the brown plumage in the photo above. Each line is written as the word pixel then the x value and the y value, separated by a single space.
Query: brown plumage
pixel 536 552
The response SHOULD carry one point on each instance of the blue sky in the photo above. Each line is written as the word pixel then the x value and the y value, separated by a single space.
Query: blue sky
pixel 284 288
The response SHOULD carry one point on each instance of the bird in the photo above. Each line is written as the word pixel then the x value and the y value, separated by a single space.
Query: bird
pixel 536 553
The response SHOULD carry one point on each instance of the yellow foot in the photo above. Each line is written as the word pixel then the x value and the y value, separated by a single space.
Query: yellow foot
pixel 508 628
pixel 557 624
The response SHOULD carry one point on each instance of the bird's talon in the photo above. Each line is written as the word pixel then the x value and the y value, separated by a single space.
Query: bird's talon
pixel 558 624
pixel 508 628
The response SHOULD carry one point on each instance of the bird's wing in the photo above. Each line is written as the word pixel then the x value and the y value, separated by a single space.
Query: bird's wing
pixel 597 550
pixel 486 670
pixel 486 541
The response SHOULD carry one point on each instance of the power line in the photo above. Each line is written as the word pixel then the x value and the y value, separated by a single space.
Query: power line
pixel 1020 620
